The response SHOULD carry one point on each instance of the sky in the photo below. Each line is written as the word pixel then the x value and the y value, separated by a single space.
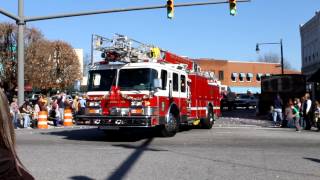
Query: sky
pixel 196 32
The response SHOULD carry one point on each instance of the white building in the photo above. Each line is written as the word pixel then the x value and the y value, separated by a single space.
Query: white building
pixel 310 45
pixel 83 80
pixel 310 53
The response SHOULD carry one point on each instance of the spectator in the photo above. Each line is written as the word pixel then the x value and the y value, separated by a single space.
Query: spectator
pixel 306 111
pixel 277 111
pixel 82 104
pixel 10 164
pixel 42 103
pixel 300 102
pixel 15 112
pixel 75 105
pixel 36 114
pixel 61 103
pixel 25 112
pixel 287 120
pixel 54 114
pixel 296 115
pixel 317 115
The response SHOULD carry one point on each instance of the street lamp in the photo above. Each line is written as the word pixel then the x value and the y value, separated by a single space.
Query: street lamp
pixel 281 49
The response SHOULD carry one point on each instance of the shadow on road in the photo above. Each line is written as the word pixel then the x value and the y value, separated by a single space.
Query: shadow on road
pixel 80 178
pixel 125 167
pixel 94 134
pixel 312 159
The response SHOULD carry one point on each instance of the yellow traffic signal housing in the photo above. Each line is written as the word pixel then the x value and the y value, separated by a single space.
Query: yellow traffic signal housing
pixel 233 7
pixel 170 9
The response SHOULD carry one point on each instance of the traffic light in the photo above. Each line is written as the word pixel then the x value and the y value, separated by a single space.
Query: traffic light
pixel 170 9
pixel 233 7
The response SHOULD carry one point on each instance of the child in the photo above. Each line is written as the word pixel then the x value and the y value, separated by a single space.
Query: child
pixel 296 115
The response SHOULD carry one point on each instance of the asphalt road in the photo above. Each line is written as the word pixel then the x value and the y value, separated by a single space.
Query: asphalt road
pixel 234 149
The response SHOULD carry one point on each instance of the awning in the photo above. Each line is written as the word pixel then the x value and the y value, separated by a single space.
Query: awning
pixel 242 75
pixel 234 75
pixel 243 90
pixel 259 75
pixel 250 75
pixel 315 77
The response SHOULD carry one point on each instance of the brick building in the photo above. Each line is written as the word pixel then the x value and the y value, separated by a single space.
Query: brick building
pixel 241 76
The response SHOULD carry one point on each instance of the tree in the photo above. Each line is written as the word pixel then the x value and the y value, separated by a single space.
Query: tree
pixel 47 64
pixel 53 65
pixel 8 52
pixel 8 63
pixel 274 58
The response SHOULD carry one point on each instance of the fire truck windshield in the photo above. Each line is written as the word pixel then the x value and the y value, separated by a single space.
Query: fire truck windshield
pixel 137 79
pixel 101 80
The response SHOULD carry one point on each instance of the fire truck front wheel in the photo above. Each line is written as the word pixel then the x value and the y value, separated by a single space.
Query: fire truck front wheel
pixel 171 127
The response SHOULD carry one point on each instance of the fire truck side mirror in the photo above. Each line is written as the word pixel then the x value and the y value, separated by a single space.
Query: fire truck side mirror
pixel 157 83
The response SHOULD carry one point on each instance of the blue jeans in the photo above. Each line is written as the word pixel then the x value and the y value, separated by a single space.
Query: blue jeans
pixel 26 120
pixel 277 113
pixel 15 119
pixel 61 111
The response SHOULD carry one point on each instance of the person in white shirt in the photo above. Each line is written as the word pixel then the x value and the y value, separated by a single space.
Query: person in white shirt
pixel 306 109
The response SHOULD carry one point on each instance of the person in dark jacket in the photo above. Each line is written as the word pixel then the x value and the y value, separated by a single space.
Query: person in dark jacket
pixel 10 165
pixel 277 111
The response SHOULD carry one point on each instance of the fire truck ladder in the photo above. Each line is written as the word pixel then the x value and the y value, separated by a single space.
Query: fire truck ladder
pixel 126 50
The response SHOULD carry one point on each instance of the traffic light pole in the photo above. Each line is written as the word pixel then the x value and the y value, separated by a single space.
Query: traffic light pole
pixel 281 49
pixel 21 25
pixel 21 22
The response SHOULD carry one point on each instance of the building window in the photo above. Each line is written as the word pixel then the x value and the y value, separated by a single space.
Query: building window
pixel 258 77
pixel 234 77
pixel 242 76
pixel 249 77
pixel 221 76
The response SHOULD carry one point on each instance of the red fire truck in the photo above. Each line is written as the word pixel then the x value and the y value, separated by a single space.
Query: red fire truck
pixel 146 87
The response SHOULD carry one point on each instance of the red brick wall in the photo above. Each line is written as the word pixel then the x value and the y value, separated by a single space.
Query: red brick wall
pixel 229 67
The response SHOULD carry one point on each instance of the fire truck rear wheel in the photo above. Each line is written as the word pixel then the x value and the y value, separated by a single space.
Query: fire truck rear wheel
pixel 171 127
pixel 208 122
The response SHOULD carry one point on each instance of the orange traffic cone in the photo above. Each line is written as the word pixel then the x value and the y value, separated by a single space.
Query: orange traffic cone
pixel 43 120
pixel 67 117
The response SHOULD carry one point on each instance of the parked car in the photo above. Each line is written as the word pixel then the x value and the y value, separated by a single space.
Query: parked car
pixel 245 100
pixel 228 100
pixel 34 98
